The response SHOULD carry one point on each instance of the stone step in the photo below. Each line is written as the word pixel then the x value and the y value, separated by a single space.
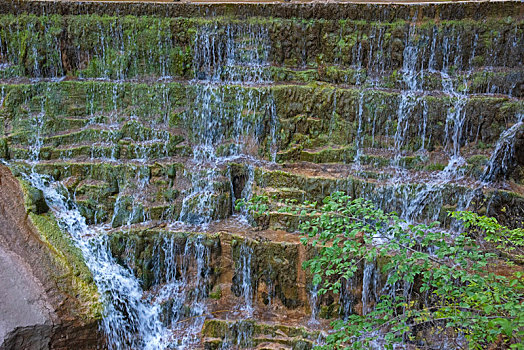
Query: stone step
pixel 242 334
pixel 147 45
pixel 275 266
pixel 415 195
pixel 123 150
pixel 424 191
pixel 482 80
pixel 485 81
pixel 375 160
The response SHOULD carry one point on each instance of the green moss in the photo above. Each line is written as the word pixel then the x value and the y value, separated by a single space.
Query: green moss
pixel 328 155
pixel 255 333
pixel 4 151
pixel 478 160
pixel 79 279
pixel 435 167
pixel 216 293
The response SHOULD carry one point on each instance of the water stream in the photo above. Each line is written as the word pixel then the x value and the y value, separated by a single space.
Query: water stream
pixel 130 320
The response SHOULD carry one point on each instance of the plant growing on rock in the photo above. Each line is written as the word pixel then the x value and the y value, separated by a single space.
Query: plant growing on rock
pixel 440 287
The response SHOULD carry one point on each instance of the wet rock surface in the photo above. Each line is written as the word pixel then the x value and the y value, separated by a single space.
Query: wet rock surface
pixel 364 11
pixel 132 129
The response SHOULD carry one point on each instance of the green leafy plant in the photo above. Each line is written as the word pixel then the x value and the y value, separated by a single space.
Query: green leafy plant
pixel 441 285
pixel 483 228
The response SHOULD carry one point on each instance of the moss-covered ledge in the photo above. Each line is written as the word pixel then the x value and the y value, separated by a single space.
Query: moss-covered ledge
pixel 220 334
pixel 76 279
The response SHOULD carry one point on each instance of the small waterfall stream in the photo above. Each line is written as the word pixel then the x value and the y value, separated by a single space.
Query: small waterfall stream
pixel 501 160
pixel 245 273
pixel 135 318
pixel 129 320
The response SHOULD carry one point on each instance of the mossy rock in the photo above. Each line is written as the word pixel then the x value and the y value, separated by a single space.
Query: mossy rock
pixel 79 281
pixel 478 160
pixel 127 212
pixel 4 150
pixel 35 201
pixel 216 293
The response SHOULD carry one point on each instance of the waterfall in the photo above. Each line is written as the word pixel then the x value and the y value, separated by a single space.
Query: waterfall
pixel 502 158
pixel 314 303
pixel 225 120
pixel 150 125
pixel 184 287
pixel 455 119
pixel 246 284
pixel 129 321
pixel 358 138
pixel 408 97
pixel 135 318
pixel 430 194
pixel 367 285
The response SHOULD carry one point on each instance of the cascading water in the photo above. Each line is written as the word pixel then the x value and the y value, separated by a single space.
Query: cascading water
pixel 359 136
pixel 129 320
pixel 313 303
pixel 369 285
pixel 245 273
pixel 167 107
pixel 454 124
pixel 429 195
pixel 225 121
pixel 408 97
pixel 135 318
pixel 502 158
pixel 176 279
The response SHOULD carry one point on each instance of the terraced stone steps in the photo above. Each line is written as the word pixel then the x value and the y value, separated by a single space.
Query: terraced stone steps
pixel 309 116
pixel 100 46
pixel 276 281
pixel 155 125
pixel 480 80
pixel 96 186
pixel 220 333
pixel 107 190
pixel 279 294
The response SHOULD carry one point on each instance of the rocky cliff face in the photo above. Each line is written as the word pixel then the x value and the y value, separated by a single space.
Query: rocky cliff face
pixel 133 128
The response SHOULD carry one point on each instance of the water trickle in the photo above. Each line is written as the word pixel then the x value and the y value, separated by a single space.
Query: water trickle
pixel 243 270
pixel 230 116
pixel 502 160
pixel 369 286
pixel 455 119
pixel 314 303
pixel 408 96
pixel 37 143
pixel 424 128
pixel 346 298
pixel 226 121
pixel 359 136
pixel 239 334
pixel 183 279
pixel 130 205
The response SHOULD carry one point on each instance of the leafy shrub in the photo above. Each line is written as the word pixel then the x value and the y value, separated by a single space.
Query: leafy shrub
pixel 454 292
